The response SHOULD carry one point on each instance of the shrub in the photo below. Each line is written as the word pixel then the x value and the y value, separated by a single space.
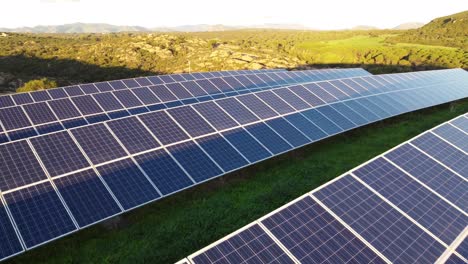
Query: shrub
pixel 36 85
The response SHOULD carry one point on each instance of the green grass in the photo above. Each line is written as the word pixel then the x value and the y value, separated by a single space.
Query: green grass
pixel 168 230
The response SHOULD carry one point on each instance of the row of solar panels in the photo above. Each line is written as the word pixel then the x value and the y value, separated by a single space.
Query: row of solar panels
pixel 55 184
pixel 24 121
pixel 408 205
pixel 90 88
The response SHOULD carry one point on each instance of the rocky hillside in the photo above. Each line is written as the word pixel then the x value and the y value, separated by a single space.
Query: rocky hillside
pixel 449 31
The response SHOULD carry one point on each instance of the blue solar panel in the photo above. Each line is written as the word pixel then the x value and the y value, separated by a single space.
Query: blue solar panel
pixel 246 82
pixel 268 138
pixel 146 96
pixel 234 83
pixel 321 121
pixel 252 245
pixel 59 153
pixel 133 135
pixel 360 89
pixel 390 232
pixel 64 108
pixel 313 235
pixel 306 127
pixel 462 249
pixel 443 152
pixel 307 96
pixel 291 98
pixel 221 85
pixel 222 152
pixel 179 90
pixel 27 168
pixel 288 132
pixel 97 118
pixel 10 242
pixel 246 144
pixel 192 122
pixel 13 117
pixel 454 259
pixel 167 78
pixel 208 86
pixel 321 93
pixel 453 135
pixel 155 80
pixel 86 104
pixel 461 123
pixel 98 143
pixel 73 90
pixel 108 101
pixel 103 86
pixel 258 107
pixel 139 110
pixel 193 88
pixel 142 81
pixel 373 107
pixel 237 110
pixel 39 214
pixel 391 110
pixel 22 98
pixel 163 171
pixel 89 88
pixel 194 161
pixel 40 96
pixel 267 80
pixel 6 101
pixel 432 174
pixel 275 102
pixel 329 88
pixel 433 213
pixel 163 93
pixel 215 115
pixel 127 98
pixel 336 117
pixel 128 183
pixel 22 133
pixel 86 197
pixel 131 83
pixel 163 127
pixel 117 85
pixel 3 138
pixel 39 113
pixel 363 111
pixel 344 88
pixel 49 128
pixel 350 114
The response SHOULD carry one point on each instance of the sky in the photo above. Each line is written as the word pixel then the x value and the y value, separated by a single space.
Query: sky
pixel 317 14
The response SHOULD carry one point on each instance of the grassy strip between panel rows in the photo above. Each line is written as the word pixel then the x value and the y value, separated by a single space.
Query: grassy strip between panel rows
pixel 168 230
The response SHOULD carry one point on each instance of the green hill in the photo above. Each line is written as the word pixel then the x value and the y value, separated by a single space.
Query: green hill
pixel 449 31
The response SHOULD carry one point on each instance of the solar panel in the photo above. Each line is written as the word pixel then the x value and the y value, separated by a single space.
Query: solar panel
pixel 396 208
pixel 128 98
pixel 71 159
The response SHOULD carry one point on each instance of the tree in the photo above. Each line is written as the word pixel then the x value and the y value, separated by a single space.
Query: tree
pixel 36 85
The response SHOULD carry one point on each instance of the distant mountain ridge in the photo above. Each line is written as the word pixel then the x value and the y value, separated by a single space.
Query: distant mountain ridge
pixel 410 25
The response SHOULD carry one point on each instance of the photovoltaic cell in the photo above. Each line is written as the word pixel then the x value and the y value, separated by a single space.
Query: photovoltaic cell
pixel 237 110
pixel 27 168
pixel 321 121
pixel 86 197
pixel 194 161
pixel 39 214
pixel 221 85
pixel 86 104
pixel 453 135
pixel 390 232
pixel 461 123
pixel 305 126
pixel 163 171
pixel 275 102
pixel 215 115
pixel 97 118
pixel 208 86
pixel 363 111
pixel 73 90
pixel 98 143
pixel 163 127
pixel 40 96
pixel 373 107
pixel 6 101
pixel 291 98
pixel 22 98
pixel 127 98
pixel 10 242
pixel 252 245
pixel 288 132
pixel 133 135
pixel 22 133
pixel 103 86
pixel 350 114
pixel 191 121
pixel 431 173
pixel 268 138
pixel 462 249
pixel 108 101
pixel 64 108
pixel 313 235
pixel 443 152
pixel 49 128
pixel 13 118
pixel 336 117
pixel 179 90
pixel 329 88
pixel 39 113
pixel 163 93
pixel 59 153
pixel 436 215
pixel 146 96
pixel 222 152
pixel 89 88
pixel 246 144
pixel 307 96
pixel 128 183
pixel 321 93
pixel 258 107
pixel 142 81
pixel 131 83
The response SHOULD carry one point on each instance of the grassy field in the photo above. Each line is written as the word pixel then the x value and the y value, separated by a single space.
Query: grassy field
pixel 170 229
